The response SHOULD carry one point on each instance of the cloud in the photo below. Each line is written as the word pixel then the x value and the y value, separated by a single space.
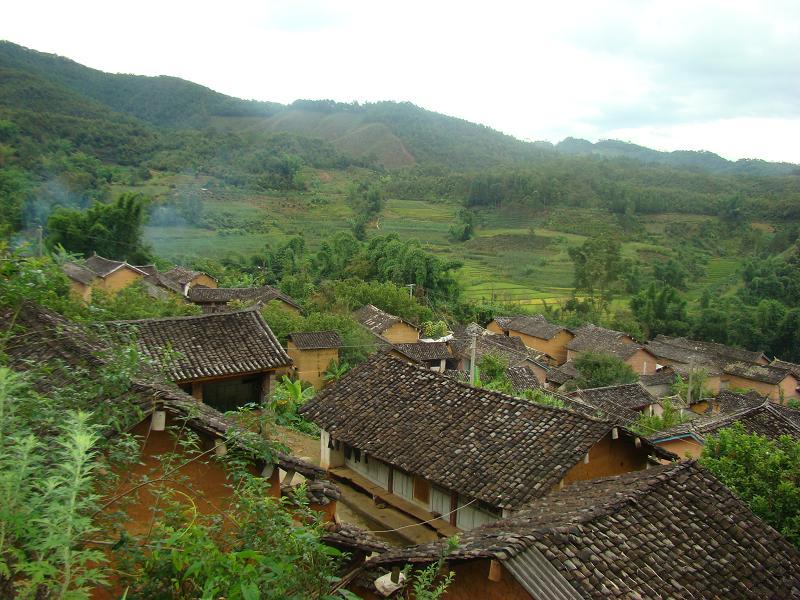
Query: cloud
pixel 674 72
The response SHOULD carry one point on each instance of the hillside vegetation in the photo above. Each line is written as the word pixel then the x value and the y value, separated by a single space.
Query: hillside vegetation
pixel 232 181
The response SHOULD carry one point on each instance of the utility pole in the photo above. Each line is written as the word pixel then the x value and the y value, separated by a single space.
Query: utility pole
pixel 472 360
pixel 40 240
pixel 410 287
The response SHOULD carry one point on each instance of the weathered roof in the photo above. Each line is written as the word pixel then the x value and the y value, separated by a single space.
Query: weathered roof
pixel 683 350
pixel 563 373
pixel 665 376
pixel 535 326
pixel 182 275
pixel 349 537
pixel 316 340
pixel 618 401
pixel 729 402
pixel 79 273
pixel 767 419
pixel 503 322
pixel 668 532
pixel 201 294
pixel 510 348
pixel 591 338
pixel 105 266
pixel 629 395
pixel 376 320
pixel 522 378
pixel 763 373
pixel 487 445
pixel 215 345
pixel 782 364
pixel 424 351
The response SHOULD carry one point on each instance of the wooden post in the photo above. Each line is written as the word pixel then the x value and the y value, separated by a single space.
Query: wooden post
pixel 453 508
pixel 495 570
pixel 472 362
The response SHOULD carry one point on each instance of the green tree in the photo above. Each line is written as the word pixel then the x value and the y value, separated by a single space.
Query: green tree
pixel 599 370
pixel 660 310
pixel 763 473
pixel 114 230
pixel 598 265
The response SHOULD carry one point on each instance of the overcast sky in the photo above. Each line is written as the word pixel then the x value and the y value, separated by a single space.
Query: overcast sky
pixel 721 76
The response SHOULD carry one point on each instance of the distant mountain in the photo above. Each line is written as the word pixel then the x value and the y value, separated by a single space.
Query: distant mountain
pixel 162 101
pixel 687 159
pixel 391 134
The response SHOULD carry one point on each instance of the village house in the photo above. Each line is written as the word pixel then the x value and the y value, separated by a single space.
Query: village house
pixel 101 273
pixel 767 419
pixel 214 299
pixel 432 355
pixel 726 401
pixel 660 383
pixel 389 328
pixel 669 532
pixel 433 447
pixel 537 333
pixel 187 279
pixel 312 353
pixel 110 276
pixel 690 357
pixel 778 383
pixel 509 349
pixel 225 360
pixel 154 413
pixel 624 402
pixel 591 338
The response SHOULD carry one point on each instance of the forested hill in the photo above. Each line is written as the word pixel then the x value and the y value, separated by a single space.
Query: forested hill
pixel 162 101
pixel 690 159
pixel 387 134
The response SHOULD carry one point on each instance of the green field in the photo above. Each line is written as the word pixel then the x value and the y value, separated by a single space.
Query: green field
pixel 517 255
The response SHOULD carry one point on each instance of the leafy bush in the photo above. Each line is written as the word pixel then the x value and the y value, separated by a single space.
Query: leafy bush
pixel 763 473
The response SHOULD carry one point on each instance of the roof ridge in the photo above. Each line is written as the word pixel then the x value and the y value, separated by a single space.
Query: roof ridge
pixel 507 397
pixel 253 308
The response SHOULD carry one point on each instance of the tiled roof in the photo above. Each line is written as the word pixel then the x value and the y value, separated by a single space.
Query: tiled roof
pixel 315 340
pixel 767 419
pixel 522 378
pixel 78 273
pixel 424 351
pixel 201 294
pixel 105 266
pixel 729 402
pixel 487 445
pixel 563 373
pixel 763 373
pixel 618 401
pixel 682 350
pixel 503 322
pixel 376 320
pixel 348 537
pixel 510 348
pixel 182 275
pixel 214 345
pixel 665 376
pixel 591 338
pixel 629 395
pixel 782 364
pixel 668 532
pixel 536 326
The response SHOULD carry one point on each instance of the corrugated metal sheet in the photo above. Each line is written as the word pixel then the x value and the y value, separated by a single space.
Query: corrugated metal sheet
pixel 539 578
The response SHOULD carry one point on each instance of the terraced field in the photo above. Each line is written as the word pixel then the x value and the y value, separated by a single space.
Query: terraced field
pixel 517 255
